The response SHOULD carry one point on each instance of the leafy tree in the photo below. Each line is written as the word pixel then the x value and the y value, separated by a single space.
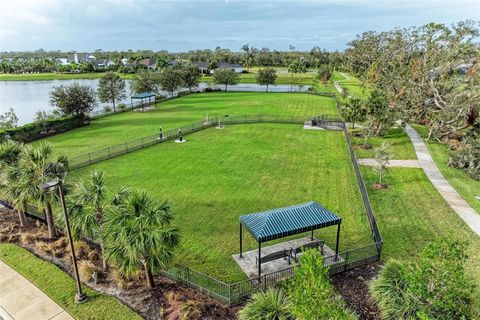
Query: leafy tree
pixel 324 74
pixel 382 157
pixel 292 69
pixel 111 88
pixel 354 111
pixel 226 77
pixel 89 201
pixel 433 286
pixel 42 117
pixel 75 99
pixel 272 304
pixel 139 235
pixel 39 165
pixel 190 75
pixel 266 76
pixel 249 56
pixel 379 112
pixel 145 81
pixel 171 79
pixel 8 119
pixel 10 175
pixel 212 64
pixel 311 293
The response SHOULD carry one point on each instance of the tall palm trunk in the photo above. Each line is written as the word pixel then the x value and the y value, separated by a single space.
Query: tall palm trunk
pixel 52 232
pixel 148 275
pixel 22 218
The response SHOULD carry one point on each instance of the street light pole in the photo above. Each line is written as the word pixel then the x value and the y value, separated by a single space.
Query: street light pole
pixel 80 296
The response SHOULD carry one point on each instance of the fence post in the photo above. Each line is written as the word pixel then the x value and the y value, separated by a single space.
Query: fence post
pixel 346 260
pixel 265 282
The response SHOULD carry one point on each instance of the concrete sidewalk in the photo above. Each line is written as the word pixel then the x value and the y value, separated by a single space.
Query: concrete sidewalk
pixel 453 198
pixel 20 299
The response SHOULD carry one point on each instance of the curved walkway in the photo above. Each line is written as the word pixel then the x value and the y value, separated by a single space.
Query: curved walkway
pixel 21 299
pixel 453 198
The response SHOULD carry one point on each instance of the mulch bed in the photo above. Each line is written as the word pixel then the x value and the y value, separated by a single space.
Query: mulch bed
pixel 149 303
pixel 353 287
pixel 363 146
pixel 380 186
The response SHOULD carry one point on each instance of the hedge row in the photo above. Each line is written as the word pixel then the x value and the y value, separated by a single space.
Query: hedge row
pixel 38 130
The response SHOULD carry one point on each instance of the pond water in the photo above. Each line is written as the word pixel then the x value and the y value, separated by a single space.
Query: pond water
pixel 28 97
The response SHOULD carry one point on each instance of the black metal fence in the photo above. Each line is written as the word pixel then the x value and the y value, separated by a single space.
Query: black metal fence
pixel 235 293
pixel 327 121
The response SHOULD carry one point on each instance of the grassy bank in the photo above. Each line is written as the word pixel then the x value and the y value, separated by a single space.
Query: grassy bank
pixel 61 287
pixel 462 182
pixel 219 175
pixel 170 114
pixel 283 78
pixel 411 213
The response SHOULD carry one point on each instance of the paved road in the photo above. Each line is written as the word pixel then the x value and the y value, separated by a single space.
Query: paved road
pixel 453 198
pixel 20 299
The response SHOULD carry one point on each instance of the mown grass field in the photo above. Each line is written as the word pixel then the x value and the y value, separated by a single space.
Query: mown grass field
pixel 61 287
pixel 411 213
pixel 399 145
pixel 219 175
pixel 174 113
pixel 463 183
pixel 353 85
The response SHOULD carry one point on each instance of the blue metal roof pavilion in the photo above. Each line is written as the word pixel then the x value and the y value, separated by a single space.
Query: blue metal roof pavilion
pixel 143 96
pixel 282 222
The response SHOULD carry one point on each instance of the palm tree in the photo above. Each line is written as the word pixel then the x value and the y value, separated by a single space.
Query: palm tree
pixel 269 305
pixel 139 234
pixel 89 201
pixel 10 178
pixel 38 166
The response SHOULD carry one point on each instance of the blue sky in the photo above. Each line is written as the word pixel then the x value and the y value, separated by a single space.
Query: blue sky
pixel 186 25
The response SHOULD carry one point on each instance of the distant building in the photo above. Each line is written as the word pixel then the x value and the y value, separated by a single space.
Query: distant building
pixel 124 61
pixel 149 63
pixel 238 68
pixel 102 64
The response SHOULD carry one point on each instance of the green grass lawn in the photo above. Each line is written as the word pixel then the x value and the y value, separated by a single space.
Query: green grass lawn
pixel 411 213
pixel 351 83
pixel 462 182
pixel 61 287
pixel 400 145
pixel 219 175
pixel 283 78
pixel 171 114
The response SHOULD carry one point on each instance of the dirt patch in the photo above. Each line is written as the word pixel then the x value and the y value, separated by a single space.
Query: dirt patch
pixel 364 146
pixel 147 302
pixel 353 287
pixel 380 186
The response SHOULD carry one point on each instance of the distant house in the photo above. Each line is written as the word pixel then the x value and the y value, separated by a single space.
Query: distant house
pixel 79 58
pixel 102 64
pixel 149 63
pixel 63 61
pixel 238 68
pixel 124 61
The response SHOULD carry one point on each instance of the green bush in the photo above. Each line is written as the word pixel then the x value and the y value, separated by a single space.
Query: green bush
pixel 311 293
pixel 433 286
pixel 36 130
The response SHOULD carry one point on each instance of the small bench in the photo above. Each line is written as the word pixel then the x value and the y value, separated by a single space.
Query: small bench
pixel 285 254
pixel 312 245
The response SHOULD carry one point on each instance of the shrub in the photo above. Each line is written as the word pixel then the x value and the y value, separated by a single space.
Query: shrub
pixel 36 130
pixel 268 305
pixel 180 310
pixel 107 109
pixel 311 293
pixel 433 286
pixel 467 158
pixel 87 270
pixel 122 106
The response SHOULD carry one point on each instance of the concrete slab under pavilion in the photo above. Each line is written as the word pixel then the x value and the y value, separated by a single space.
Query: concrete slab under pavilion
pixel 248 261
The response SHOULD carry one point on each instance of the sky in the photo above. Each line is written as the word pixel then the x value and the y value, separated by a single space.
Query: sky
pixel 187 25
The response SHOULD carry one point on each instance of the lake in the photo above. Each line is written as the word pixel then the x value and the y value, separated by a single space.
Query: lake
pixel 28 97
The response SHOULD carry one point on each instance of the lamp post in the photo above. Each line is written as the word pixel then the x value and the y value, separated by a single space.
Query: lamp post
pixel 80 296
